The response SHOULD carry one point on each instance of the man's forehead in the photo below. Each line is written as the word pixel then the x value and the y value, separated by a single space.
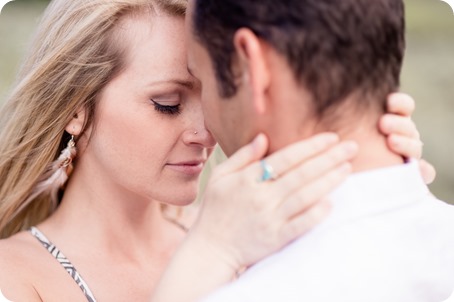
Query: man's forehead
pixel 190 9
pixel 188 19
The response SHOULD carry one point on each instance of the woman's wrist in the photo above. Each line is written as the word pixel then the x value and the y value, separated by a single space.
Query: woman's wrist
pixel 213 256
pixel 198 268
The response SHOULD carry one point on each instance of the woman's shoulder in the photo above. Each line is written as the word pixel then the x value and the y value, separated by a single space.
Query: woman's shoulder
pixel 18 262
pixel 16 252
pixel 28 272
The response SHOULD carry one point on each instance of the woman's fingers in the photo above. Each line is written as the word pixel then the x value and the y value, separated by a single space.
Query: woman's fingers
pixel 395 124
pixel 405 146
pixel 289 157
pixel 301 224
pixel 316 168
pixel 311 193
pixel 403 136
pixel 427 171
pixel 401 104
pixel 240 215
pixel 244 156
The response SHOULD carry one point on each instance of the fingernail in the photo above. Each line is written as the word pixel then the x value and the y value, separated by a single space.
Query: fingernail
pixel 389 123
pixel 257 142
pixel 394 141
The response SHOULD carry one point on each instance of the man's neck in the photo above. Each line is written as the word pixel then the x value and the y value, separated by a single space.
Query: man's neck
pixel 296 120
pixel 373 149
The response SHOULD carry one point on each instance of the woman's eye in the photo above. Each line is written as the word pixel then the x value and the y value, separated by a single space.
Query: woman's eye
pixel 166 109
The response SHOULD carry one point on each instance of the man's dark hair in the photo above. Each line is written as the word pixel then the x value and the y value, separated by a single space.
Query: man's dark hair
pixel 334 47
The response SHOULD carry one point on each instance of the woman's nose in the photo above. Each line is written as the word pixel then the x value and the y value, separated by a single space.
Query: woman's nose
pixel 199 136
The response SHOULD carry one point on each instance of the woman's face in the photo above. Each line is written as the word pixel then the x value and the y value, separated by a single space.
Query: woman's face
pixel 149 138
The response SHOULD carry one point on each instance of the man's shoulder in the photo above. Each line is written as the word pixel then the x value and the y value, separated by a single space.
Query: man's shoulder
pixel 434 226
pixel 395 249
pixel 435 212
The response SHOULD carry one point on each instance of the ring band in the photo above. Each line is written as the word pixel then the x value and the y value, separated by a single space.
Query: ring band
pixel 267 171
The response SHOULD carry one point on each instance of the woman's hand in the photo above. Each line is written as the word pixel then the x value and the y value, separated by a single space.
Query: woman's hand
pixel 403 137
pixel 244 219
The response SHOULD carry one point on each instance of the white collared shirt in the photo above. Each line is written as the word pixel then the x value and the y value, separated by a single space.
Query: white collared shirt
pixel 450 299
pixel 387 240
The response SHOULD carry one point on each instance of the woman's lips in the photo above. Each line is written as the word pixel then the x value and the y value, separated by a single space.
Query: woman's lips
pixel 191 168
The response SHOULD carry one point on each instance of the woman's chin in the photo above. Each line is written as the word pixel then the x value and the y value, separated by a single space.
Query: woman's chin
pixel 185 203
pixel 182 200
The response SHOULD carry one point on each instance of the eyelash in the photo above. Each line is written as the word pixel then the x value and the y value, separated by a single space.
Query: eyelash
pixel 170 110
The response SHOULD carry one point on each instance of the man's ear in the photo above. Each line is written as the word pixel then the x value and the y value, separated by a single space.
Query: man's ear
pixel 252 61
pixel 76 125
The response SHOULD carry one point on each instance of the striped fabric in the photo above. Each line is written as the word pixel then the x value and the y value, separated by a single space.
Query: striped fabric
pixel 54 251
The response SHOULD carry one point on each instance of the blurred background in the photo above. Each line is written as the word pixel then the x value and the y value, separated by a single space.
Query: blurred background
pixel 428 73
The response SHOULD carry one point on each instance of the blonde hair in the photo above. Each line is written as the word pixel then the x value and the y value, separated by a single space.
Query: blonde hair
pixel 74 55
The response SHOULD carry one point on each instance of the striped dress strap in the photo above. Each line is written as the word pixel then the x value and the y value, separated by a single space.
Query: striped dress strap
pixel 54 251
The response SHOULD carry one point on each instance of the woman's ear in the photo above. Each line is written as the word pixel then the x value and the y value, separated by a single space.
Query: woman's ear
pixel 76 125
pixel 253 64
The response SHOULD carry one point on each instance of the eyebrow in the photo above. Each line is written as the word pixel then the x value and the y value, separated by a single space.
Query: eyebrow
pixel 189 84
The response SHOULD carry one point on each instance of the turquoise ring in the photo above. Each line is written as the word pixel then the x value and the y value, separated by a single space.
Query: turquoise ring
pixel 267 171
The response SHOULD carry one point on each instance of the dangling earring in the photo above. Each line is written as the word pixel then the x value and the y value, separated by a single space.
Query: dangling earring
pixel 63 164
pixel 56 175
pixel 67 154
